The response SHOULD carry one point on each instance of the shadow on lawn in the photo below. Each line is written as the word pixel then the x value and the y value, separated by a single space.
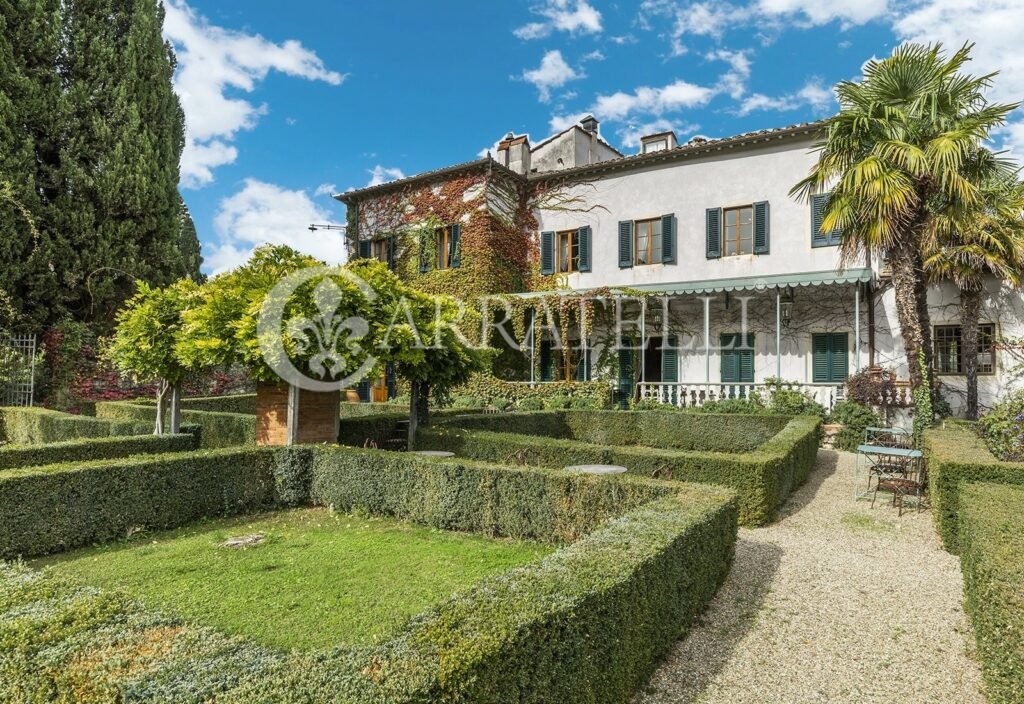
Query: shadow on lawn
pixel 695 661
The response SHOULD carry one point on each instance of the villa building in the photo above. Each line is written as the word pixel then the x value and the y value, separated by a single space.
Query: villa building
pixel 722 277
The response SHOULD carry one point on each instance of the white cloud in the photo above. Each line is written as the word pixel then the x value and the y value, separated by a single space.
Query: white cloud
pixel 622 39
pixel 263 213
pixel 733 81
pixel 645 99
pixel 325 189
pixel 213 62
pixel 813 95
pixel 553 72
pixel 382 174
pixel 563 122
pixel 572 16
pixel 595 55
pixel 816 12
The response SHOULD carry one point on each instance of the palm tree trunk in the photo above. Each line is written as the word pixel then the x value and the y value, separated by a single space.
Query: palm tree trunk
pixel 912 313
pixel 970 310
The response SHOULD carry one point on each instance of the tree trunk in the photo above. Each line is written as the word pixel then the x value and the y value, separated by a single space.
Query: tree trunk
pixel 414 392
pixel 970 310
pixel 175 409
pixel 913 316
pixel 423 405
pixel 161 407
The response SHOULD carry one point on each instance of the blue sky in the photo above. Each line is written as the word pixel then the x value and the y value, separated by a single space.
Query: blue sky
pixel 286 107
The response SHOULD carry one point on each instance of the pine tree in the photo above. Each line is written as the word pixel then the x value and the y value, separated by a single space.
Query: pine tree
pixel 188 246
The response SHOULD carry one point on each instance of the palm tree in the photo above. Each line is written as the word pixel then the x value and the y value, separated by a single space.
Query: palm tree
pixel 896 148
pixel 969 243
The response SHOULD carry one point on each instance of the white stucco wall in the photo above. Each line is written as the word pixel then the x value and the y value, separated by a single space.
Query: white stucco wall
pixel 687 188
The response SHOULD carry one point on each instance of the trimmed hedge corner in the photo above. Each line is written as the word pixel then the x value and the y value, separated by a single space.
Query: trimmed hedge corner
pixel 36 426
pixel 763 478
pixel 956 457
pixel 218 429
pixel 15 456
pixel 992 556
pixel 585 625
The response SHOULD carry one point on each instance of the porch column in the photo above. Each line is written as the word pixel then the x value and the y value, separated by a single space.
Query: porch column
pixel 533 343
pixel 707 340
pixel 643 339
pixel 856 327
pixel 778 333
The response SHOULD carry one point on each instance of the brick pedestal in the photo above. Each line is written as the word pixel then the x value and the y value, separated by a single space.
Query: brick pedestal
pixel 317 415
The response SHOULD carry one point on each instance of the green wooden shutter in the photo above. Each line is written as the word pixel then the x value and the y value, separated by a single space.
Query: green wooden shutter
pixel 455 246
pixel 730 358
pixel 625 244
pixel 839 354
pixel 819 202
pixel 424 254
pixel 391 380
pixel 547 369
pixel 746 365
pixel 762 227
pixel 547 253
pixel 363 390
pixel 364 249
pixel 625 377
pixel 819 357
pixel 583 237
pixel 714 233
pixel 670 361
pixel 583 367
pixel 391 252
pixel 668 239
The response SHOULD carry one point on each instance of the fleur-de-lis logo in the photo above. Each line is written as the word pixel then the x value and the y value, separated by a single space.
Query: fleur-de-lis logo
pixel 327 335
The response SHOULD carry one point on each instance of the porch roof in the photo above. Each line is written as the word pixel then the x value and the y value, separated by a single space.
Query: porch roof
pixel 749 283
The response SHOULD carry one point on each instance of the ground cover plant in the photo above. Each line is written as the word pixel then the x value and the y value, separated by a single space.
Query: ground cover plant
pixel 320 579
pixel 636 561
pixel 773 455
pixel 992 556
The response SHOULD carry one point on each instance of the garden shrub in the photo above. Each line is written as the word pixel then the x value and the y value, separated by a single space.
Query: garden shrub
pixel 490 389
pixel 218 429
pixel 958 457
pixel 557 402
pixel 855 419
pixel 743 406
pixel 35 426
pixel 584 625
pixel 531 403
pixel 992 556
pixel 763 477
pixel 467 402
pixel 14 456
pixel 58 507
pixel 1003 428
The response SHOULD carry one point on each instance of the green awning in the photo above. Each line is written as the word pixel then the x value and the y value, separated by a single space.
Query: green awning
pixel 749 283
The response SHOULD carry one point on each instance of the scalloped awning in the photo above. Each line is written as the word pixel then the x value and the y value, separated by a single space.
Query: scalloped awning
pixel 750 283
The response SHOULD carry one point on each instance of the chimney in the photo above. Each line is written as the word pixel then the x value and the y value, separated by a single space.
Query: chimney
pixel 514 152
pixel 589 123
pixel 659 142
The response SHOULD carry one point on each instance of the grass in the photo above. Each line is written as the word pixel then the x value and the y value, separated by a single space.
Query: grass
pixel 316 581
pixel 865 523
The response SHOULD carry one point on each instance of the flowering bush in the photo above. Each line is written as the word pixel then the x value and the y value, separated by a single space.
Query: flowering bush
pixel 1003 428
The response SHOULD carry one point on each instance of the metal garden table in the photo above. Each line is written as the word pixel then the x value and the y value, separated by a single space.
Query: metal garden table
pixel 883 463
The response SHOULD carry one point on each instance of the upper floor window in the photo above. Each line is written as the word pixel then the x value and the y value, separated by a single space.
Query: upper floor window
pixel 379 250
pixel 647 241
pixel 447 246
pixel 819 238
pixel 739 230
pixel 949 355
pixel 568 252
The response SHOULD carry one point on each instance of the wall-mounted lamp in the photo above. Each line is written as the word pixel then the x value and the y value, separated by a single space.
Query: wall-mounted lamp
pixel 786 306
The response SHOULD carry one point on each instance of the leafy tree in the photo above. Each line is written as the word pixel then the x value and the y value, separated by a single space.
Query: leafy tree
pixel 971 241
pixel 892 156
pixel 188 245
pixel 144 345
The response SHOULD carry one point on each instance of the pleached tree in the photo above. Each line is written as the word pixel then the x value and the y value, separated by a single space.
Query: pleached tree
pixel 894 153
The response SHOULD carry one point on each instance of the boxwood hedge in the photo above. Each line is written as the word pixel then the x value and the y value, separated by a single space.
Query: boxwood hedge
pixel 958 456
pixel 14 456
pixel 218 429
pixel 585 624
pixel 992 556
pixel 662 429
pixel 35 426
pixel 764 477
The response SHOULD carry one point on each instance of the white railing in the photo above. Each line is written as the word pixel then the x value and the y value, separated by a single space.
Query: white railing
pixel 696 393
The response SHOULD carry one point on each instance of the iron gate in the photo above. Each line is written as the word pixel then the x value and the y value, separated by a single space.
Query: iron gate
pixel 17 369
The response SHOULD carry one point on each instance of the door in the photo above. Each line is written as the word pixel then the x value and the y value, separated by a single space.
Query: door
pixel 379 391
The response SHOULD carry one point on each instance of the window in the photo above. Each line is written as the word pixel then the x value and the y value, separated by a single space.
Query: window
pixel 568 252
pixel 647 242
pixel 830 357
pixel 379 250
pixel 949 349
pixel 739 230
pixel 737 358
pixel 447 246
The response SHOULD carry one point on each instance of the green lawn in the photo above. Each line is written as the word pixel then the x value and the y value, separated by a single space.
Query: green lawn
pixel 316 581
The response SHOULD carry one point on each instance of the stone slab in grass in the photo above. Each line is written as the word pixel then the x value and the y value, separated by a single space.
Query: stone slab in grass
pixel 315 580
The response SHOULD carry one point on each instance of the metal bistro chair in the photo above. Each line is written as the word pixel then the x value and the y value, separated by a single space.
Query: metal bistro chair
pixel 888 465
pixel 913 482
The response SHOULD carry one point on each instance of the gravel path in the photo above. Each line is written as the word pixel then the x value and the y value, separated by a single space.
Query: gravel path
pixel 835 602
